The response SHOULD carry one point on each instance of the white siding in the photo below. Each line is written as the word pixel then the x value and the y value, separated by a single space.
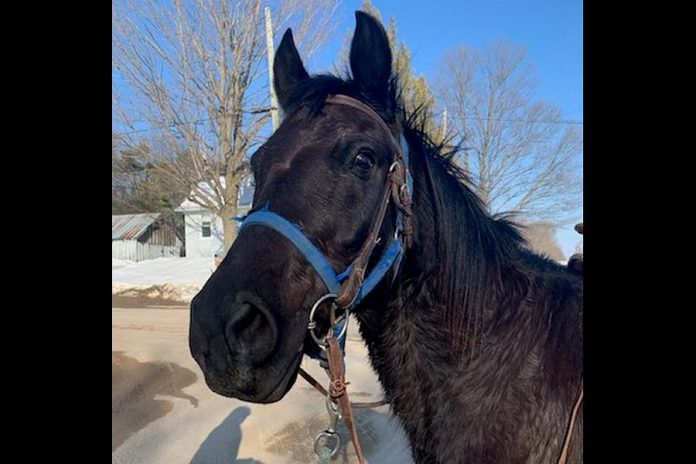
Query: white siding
pixel 196 244
pixel 194 215
pixel 135 251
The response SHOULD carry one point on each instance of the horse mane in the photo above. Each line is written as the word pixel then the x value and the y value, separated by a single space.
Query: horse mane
pixel 481 265
pixel 478 258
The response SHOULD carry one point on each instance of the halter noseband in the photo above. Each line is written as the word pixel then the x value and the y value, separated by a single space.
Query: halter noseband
pixel 351 285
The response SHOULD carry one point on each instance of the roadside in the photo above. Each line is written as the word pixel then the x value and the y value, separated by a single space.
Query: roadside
pixel 163 413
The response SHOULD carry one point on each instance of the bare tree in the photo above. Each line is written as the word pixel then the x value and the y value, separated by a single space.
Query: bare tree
pixel 190 73
pixel 519 152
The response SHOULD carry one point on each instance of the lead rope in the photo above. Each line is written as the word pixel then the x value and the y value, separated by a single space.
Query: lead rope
pixel 569 433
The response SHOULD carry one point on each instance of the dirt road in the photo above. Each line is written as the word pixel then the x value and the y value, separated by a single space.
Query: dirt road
pixel 163 413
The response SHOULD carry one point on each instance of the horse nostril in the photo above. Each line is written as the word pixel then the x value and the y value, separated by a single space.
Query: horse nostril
pixel 251 332
pixel 246 317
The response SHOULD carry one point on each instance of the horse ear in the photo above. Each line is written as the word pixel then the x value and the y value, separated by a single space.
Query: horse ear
pixel 288 69
pixel 370 56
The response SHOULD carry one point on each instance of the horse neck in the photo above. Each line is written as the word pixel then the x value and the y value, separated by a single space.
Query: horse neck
pixel 462 286
pixel 451 276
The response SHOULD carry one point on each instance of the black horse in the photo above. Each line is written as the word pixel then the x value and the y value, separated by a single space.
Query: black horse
pixel 477 341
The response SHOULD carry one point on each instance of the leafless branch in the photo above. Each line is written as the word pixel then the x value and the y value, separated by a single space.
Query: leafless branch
pixel 191 73
pixel 519 154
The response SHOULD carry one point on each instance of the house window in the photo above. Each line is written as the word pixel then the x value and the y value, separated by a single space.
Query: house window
pixel 205 229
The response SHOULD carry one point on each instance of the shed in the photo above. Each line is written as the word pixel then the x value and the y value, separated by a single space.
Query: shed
pixel 138 237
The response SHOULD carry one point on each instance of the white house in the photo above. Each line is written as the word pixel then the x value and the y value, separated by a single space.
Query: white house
pixel 203 228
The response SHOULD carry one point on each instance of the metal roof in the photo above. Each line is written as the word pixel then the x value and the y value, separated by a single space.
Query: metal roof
pixel 131 226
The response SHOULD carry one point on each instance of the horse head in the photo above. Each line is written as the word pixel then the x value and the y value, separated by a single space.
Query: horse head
pixel 325 171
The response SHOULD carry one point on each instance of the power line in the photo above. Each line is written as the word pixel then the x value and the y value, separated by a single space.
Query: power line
pixel 541 121
pixel 163 126
pixel 260 110
pixel 470 118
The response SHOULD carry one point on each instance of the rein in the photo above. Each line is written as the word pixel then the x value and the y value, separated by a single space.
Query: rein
pixel 571 425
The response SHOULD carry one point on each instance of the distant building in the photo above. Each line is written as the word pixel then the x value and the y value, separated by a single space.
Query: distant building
pixel 203 228
pixel 138 237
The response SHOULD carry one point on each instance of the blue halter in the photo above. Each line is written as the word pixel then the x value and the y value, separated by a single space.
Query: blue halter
pixel 392 254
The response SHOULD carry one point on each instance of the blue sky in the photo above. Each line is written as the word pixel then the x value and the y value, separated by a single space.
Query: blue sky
pixel 551 31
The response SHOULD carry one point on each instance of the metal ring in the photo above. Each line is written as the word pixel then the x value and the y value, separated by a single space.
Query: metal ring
pixel 393 166
pixel 312 323
pixel 329 436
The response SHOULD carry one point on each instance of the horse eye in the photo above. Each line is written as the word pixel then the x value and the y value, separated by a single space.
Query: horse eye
pixel 364 160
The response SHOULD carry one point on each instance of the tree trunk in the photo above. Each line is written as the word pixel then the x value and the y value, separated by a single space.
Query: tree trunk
pixel 230 211
pixel 229 224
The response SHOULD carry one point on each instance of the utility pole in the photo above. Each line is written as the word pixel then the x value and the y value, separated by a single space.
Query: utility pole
pixel 270 53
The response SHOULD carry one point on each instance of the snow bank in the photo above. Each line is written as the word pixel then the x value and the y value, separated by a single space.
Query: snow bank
pixel 179 293
pixel 166 271
pixel 168 278
pixel 119 263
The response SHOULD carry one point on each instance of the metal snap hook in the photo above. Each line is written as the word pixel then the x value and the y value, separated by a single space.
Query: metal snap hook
pixel 328 436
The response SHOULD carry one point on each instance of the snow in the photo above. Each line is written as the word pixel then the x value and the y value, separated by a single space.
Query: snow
pixel 119 263
pixel 175 278
pixel 166 271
